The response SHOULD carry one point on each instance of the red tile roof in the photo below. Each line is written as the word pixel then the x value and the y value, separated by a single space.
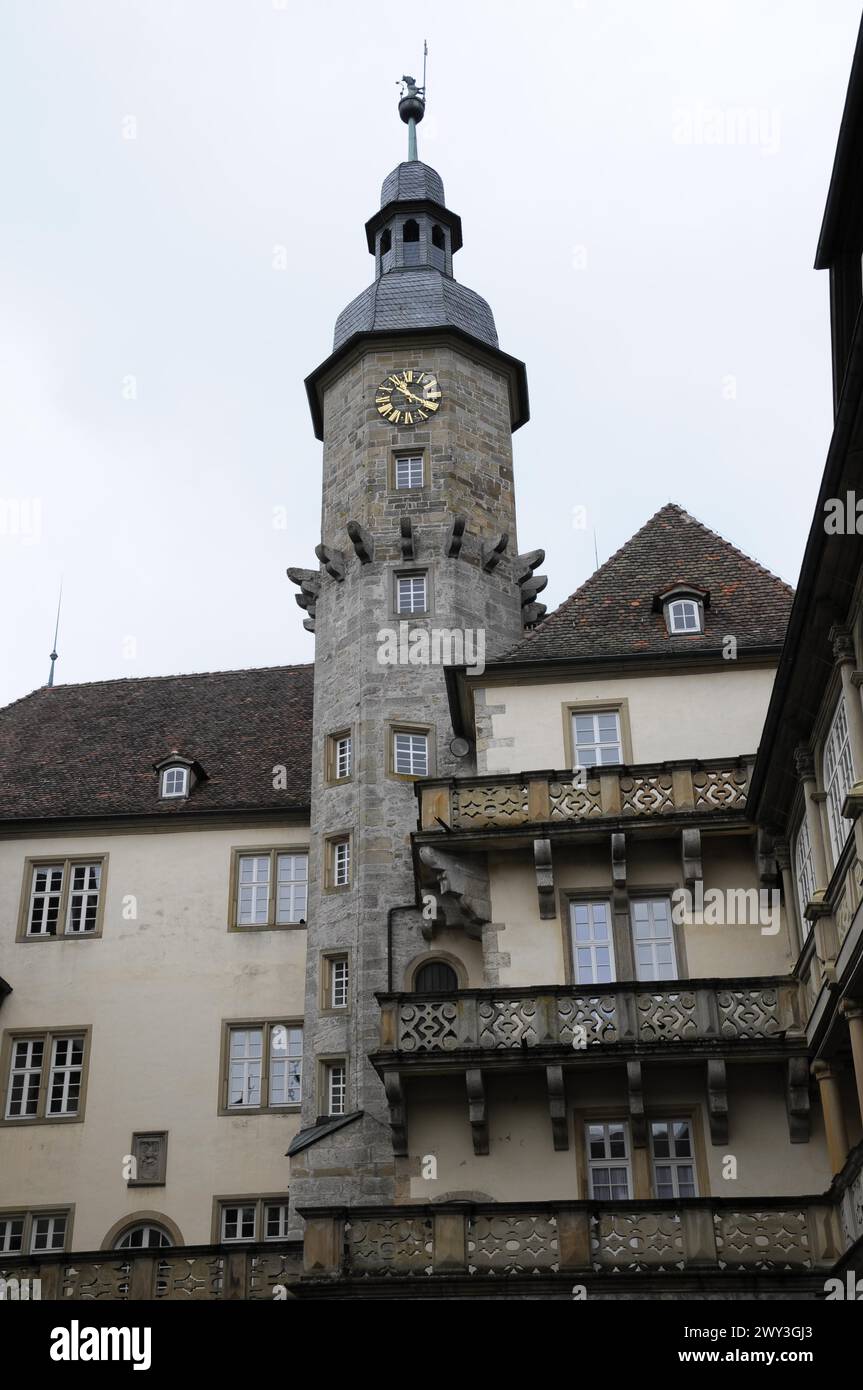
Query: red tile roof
pixel 88 750
pixel 612 614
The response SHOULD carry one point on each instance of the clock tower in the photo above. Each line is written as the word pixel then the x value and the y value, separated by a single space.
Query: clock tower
pixel 419 569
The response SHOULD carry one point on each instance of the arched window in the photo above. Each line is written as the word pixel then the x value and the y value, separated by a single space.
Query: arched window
pixel 435 975
pixel 411 242
pixel 684 616
pixel 144 1236
pixel 438 247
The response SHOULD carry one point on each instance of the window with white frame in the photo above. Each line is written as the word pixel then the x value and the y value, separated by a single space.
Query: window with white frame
pixel 673 1159
pixel 12 1234
pixel 608 1167
pixel 683 615
pixel 411 593
pixel 596 738
pixel 342 757
pixel 30 1095
pixel 47 1232
pixel 838 779
pixel 237 1221
pixel 272 888
pixel 286 1064
pixel 143 1236
pixel 804 872
pixel 409 471
pixel 410 754
pixel 338 982
pixel 245 1068
pixel 265 1066
pixel 64 898
pixel 275 1220
pixel 653 939
pixel 340 863
pixel 335 1081
pixel 592 947
pixel 175 782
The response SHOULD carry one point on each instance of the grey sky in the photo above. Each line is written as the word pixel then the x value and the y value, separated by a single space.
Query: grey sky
pixel 658 286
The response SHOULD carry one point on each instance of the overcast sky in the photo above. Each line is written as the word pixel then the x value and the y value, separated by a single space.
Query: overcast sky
pixel 645 250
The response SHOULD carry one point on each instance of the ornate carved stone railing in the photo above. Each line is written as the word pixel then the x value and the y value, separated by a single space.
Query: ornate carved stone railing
pixel 555 798
pixel 671 1014
pixel 548 1238
pixel 189 1272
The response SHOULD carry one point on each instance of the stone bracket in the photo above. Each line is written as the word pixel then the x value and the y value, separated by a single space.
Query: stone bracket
pixel 533 613
pixel 455 536
pixel 309 582
pixel 406 538
pixel 717 1100
pixel 492 554
pixel 635 1088
pixel 557 1107
pixel 477 1109
pixel 526 564
pixel 544 878
pixel 362 542
pixel 461 885
pixel 332 560
pixel 398 1112
pixel 618 871
pixel 797 1100
pixel 690 843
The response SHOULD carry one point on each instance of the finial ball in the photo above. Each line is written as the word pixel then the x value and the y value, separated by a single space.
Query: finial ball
pixel 412 106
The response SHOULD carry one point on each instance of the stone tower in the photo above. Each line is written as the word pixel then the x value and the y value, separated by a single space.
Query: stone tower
pixel 416 407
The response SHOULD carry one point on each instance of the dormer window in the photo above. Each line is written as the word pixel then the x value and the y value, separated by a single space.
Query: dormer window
pixel 175 781
pixel 178 776
pixel 683 609
pixel 684 615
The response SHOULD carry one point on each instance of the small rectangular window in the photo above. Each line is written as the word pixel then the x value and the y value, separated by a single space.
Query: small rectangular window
pixel 340 863
pixel 338 991
pixel 271 888
pixel 596 739
pixel 246 1067
pixel 411 593
pixel 286 1065
pixel 673 1159
pixel 11 1235
pixel 607 1146
pixel 64 1084
pixel 343 757
pixel 34 1232
pixel 592 946
pixel 409 471
pixel 275 1220
pixel 336 1087
pixel 838 779
pixel 47 1233
pixel 410 754
pixel 653 939
pixel 804 872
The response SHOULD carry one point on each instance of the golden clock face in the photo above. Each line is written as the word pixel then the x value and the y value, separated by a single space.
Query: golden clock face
pixel 408 397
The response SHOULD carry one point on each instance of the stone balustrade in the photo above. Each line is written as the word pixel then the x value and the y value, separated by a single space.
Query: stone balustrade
pixel 671 1014
pixel 556 798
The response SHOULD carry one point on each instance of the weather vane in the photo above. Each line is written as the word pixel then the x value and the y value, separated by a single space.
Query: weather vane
pixel 412 106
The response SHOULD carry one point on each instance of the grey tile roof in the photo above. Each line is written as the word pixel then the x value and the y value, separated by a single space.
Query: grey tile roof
pixel 416 298
pixel 410 183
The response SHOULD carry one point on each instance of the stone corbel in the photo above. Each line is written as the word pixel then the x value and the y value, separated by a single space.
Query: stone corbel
pixel 768 870
pixel 717 1100
pixel 362 542
pixel 557 1107
pixel 309 582
pixel 635 1088
pixel 463 889
pixel 533 613
pixel 618 871
pixel 398 1112
pixel 455 536
pixel 693 872
pixel 531 587
pixel 544 878
pixel 492 554
pixel 477 1109
pixel 797 1100
pixel 332 560
pixel 406 538
pixel 526 564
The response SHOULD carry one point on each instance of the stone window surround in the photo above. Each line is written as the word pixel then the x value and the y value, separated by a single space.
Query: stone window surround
pixel 428 958
pixel 618 706
pixel 640 1158
pixel 330 841
pixel 68 861
pixel 330 752
pixel 324 974
pixel 12 1035
pixel 402 451
pixel 322 1066
pixel 619 902
pixel 266 1025
pixel 66 1209
pixel 241 851
pixel 394 727
pixel 246 1199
